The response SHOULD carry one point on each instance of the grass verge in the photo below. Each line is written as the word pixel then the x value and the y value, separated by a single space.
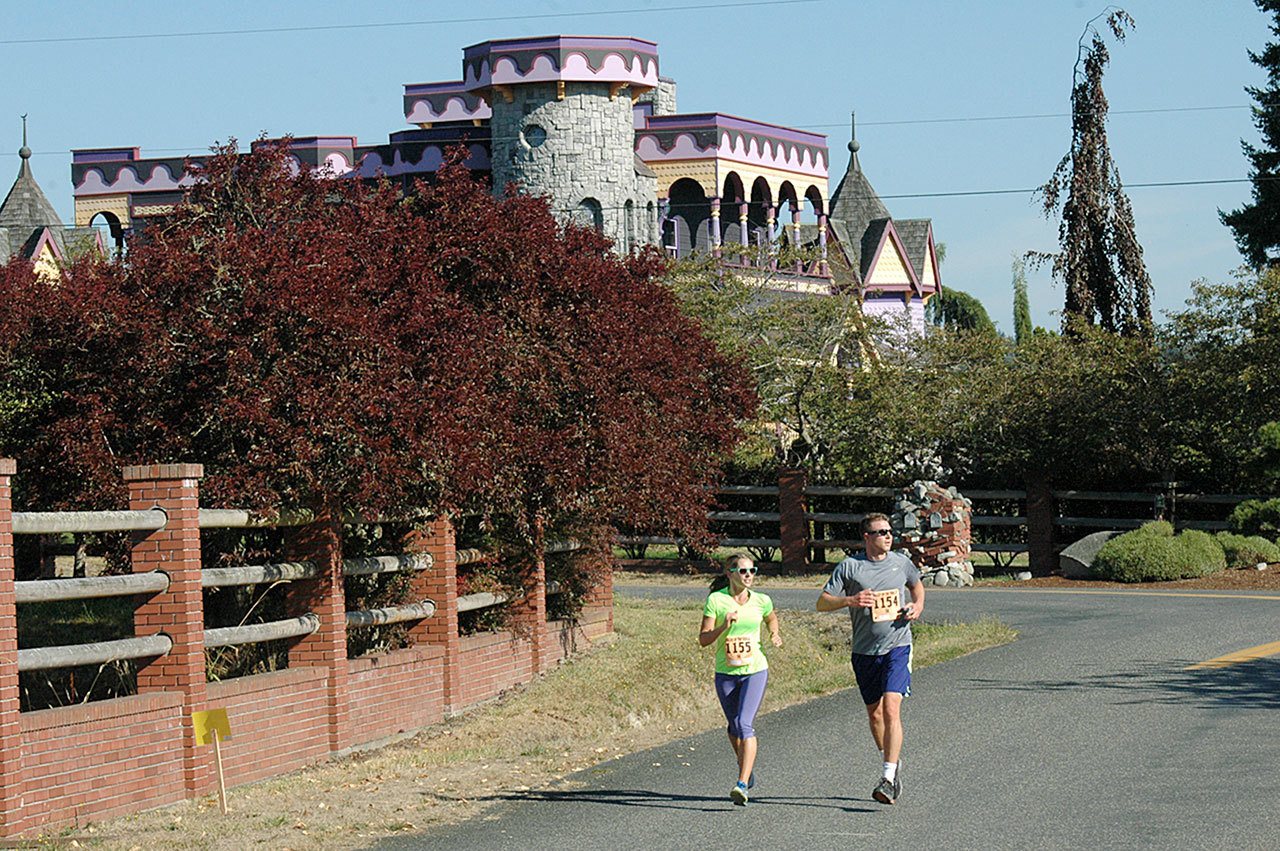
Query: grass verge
pixel 650 684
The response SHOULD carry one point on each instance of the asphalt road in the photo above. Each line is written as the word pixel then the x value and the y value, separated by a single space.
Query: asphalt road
pixel 1086 731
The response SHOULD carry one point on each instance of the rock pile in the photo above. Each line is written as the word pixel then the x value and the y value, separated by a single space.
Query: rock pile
pixel 934 523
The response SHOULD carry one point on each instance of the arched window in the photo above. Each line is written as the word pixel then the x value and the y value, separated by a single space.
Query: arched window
pixel 650 223
pixel 629 225
pixel 591 214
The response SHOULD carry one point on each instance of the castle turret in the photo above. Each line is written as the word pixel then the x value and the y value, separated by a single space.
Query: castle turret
pixel 562 125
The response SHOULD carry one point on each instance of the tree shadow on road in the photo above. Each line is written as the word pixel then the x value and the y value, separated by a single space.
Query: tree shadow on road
pixel 1248 685
pixel 671 800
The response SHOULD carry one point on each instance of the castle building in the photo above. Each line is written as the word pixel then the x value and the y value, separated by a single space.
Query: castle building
pixel 590 123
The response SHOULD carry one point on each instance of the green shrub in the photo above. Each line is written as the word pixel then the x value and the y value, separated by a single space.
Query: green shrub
pixel 1154 554
pixel 1245 552
pixel 1257 517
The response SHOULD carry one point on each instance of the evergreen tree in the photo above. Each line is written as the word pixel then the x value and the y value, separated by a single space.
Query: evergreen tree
pixel 1022 328
pixel 1100 261
pixel 1257 225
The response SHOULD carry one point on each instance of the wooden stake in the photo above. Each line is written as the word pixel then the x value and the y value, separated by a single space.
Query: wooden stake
pixel 222 785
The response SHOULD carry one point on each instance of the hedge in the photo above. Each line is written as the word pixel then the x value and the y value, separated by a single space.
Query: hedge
pixel 1154 554
pixel 1246 551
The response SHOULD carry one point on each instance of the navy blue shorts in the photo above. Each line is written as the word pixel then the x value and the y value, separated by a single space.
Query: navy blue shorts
pixel 879 674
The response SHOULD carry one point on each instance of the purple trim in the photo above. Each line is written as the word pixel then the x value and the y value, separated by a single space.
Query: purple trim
pixel 104 155
pixel 560 58
pixel 307 142
pixel 545 42
pixel 449 87
pixel 724 121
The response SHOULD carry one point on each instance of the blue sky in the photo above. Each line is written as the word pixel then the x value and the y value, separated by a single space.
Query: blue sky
pixel 923 75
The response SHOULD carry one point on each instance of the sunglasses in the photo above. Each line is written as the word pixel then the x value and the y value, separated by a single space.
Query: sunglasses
pixel 879 532
pixel 750 571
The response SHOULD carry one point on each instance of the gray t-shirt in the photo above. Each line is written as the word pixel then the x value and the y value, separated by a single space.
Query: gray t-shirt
pixel 870 637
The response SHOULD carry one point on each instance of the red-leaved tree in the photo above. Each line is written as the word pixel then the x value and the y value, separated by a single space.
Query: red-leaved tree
pixel 318 342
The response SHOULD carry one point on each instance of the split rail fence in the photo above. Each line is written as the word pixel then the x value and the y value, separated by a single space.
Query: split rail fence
pixel 93 760
pixel 803 521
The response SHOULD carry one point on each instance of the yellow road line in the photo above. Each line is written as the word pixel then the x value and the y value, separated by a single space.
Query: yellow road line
pixel 1117 592
pixel 1260 652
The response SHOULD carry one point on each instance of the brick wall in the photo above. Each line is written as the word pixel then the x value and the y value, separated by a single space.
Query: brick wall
pixel 72 765
pixel 279 722
pixel 491 662
pixel 396 692
pixel 101 759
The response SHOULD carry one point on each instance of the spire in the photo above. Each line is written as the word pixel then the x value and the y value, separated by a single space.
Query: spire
pixel 855 202
pixel 853 141
pixel 26 208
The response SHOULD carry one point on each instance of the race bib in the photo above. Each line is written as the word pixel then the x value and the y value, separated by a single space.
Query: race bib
pixel 738 650
pixel 887 605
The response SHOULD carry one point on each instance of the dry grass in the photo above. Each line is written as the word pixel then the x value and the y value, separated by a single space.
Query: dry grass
pixel 648 685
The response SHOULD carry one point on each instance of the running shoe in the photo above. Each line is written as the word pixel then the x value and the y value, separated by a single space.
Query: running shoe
pixel 738 794
pixel 751 781
pixel 897 782
pixel 886 792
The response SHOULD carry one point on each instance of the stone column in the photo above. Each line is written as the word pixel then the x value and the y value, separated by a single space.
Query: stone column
pixel 325 596
pixel 823 269
pixel 744 236
pixel 795 233
pixel 771 221
pixel 664 213
pixel 179 611
pixel 716 236
pixel 935 524
pixel 793 527
pixel 440 585
pixel 11 774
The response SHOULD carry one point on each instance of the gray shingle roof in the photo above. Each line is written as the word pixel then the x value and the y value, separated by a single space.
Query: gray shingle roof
pixel 26 212
pixel 914 234
pixel 855 201
pixel 871 237
pixel 26 208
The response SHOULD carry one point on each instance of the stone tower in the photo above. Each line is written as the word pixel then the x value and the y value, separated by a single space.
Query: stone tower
pixel 563 126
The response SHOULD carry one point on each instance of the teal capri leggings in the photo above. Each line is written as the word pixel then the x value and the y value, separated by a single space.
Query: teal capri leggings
pixel 740 696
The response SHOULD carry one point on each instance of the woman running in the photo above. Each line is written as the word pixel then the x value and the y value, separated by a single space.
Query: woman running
pixel 731 621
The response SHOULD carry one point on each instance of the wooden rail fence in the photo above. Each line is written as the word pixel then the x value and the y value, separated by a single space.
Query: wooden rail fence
pixel 68 764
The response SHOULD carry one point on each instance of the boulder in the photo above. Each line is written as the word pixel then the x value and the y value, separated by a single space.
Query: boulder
pixel 1076 561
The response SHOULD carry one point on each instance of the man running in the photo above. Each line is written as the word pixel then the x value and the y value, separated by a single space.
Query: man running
pixel 875 586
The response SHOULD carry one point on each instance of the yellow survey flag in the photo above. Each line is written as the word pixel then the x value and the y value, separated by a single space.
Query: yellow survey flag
pixel 205 723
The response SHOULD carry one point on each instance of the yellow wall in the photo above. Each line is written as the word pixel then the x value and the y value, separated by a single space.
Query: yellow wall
pixel 87 208
pixel 890 269
pixel 46 264
pixel 928 280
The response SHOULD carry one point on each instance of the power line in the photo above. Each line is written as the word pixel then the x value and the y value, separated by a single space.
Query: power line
pixel 688 205
pixel 688 7
pixel 898 122
pixel 1031 116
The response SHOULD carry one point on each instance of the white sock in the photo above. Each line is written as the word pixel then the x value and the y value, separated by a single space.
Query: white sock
pixel 890 771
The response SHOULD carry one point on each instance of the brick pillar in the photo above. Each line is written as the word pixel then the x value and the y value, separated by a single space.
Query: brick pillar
pixel 530 612
pixel 600 595
pixel 179 611
pixel 325 597
pixel 11 781
pixel 793 527
pixel 440 585
pixel 1040 512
